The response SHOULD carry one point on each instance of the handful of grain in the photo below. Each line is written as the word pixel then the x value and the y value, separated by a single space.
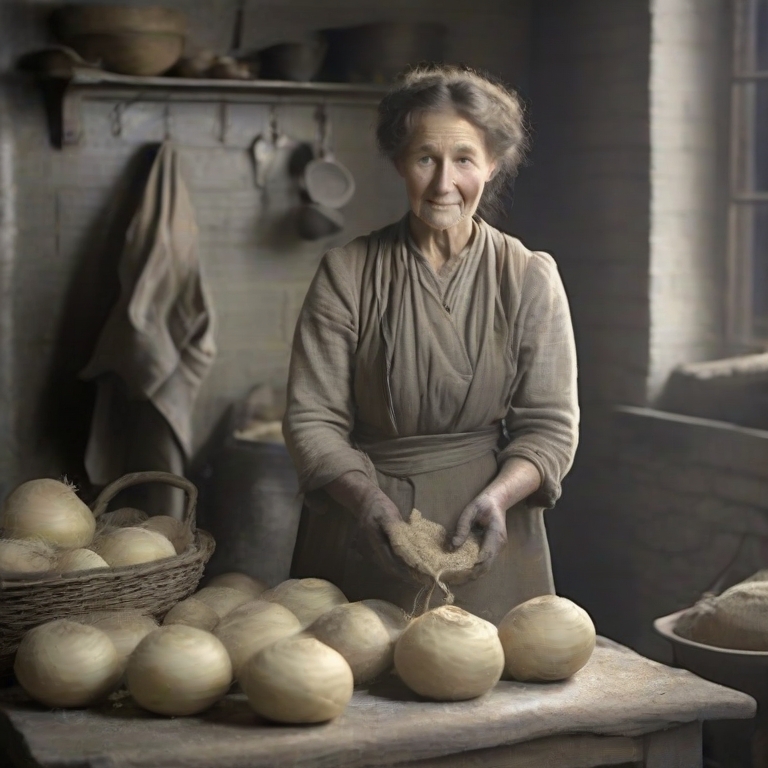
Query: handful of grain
pixel 424 546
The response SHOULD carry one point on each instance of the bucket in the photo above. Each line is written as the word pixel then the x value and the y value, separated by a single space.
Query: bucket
pixel 249 503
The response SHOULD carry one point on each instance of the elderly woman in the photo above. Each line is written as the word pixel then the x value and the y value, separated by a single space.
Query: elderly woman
pixel 434 367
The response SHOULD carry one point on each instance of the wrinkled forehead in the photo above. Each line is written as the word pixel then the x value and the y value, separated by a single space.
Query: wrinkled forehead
pixel 444 130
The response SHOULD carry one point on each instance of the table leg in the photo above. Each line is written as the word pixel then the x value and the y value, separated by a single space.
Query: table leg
pixel 674 748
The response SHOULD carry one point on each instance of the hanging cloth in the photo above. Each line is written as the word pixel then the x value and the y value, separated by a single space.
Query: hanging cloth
pixel 157 345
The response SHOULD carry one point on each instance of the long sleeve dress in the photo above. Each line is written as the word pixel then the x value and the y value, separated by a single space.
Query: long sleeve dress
pixel 428 382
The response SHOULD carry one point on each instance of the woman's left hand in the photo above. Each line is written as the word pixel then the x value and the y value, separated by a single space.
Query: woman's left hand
pixel 518 478
pixel 488 513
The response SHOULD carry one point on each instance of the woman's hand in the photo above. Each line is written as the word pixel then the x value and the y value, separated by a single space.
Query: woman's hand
pixel 484 512
pixel 517 480
pixel 376 514
pixel 377 517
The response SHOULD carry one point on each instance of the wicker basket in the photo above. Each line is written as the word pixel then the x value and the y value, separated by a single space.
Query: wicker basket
pixel 152 588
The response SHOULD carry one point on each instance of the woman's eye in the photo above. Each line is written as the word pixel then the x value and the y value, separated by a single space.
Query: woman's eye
pixel 464 161
pixel 424 160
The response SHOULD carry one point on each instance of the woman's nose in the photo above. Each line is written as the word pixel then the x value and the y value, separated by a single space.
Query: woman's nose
pixel 443 181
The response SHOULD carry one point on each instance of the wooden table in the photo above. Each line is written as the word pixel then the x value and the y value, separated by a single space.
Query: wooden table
pixel 620 708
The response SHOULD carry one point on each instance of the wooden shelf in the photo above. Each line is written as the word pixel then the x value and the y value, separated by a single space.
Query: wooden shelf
pixel 64 96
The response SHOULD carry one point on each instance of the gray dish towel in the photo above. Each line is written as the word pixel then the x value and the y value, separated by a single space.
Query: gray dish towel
pixel 157 345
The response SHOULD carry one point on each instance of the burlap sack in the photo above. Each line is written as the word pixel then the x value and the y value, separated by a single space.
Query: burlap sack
pixel 736 619
pixel 758 576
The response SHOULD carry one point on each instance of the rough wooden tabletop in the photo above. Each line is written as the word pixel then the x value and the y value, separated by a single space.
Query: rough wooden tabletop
pixel 617 693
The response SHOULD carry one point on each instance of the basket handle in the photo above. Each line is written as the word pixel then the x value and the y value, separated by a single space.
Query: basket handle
pixel 136 478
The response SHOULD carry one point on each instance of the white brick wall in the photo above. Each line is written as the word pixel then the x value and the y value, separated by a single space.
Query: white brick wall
pixel 689 108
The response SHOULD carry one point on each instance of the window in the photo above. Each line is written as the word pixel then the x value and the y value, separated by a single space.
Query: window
pixel 748 215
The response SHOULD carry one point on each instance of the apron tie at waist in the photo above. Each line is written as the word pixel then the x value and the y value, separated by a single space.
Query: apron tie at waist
pixel 416 455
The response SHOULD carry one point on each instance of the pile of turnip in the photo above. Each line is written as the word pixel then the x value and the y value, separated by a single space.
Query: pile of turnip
pixel 296 650
pixel 218 635
pixel 46 528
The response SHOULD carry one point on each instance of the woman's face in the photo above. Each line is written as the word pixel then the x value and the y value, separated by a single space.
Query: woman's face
pixel 445 167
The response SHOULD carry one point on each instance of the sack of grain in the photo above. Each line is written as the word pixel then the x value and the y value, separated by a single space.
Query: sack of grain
pixel 736 619
pixel 758 576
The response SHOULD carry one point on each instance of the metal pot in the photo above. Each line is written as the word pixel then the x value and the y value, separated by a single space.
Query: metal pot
pixel 324 180
pixel 376 53
pixel 297 61
pixel 327 182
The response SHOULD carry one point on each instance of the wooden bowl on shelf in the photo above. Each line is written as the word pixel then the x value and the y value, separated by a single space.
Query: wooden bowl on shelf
pixel 142 41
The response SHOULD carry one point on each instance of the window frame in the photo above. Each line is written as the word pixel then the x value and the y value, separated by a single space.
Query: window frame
pixel 743 199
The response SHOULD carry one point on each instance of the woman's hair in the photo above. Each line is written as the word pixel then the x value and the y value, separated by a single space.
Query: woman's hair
pixel 494 109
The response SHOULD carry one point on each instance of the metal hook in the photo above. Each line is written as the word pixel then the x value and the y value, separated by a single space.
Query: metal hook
pixel 167 121
pixel 327 132
pixel 116 118
pixel 116 115
pixel 321 117
pixel 273 125
pixel 223 121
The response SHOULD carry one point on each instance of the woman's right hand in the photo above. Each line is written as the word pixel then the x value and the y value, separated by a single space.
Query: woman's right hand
pixel 376 515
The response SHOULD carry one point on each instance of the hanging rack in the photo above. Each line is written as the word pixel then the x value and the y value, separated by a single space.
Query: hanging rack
pixel 65 97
